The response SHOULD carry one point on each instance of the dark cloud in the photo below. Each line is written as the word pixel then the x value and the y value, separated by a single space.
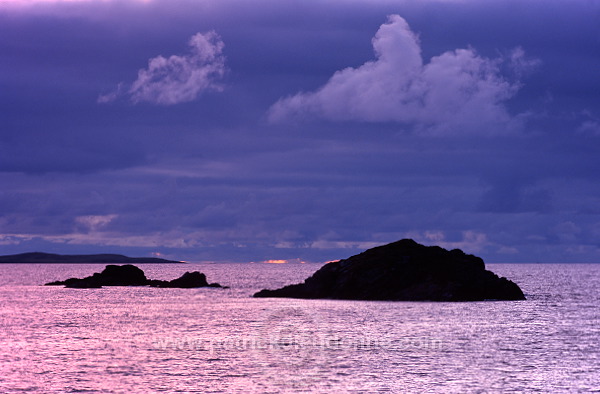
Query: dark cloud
pixel 210 178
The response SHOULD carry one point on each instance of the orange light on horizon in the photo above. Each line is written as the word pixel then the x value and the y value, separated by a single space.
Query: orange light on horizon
pixel 275 261
pixel 282 261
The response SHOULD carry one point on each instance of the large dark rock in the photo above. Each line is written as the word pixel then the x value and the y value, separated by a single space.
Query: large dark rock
pixel 404 271
pixel 130 275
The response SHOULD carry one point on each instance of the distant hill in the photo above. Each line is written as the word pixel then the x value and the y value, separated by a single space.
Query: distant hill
pixel 49 258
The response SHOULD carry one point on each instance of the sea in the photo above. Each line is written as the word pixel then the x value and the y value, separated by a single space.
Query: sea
pixel 211 340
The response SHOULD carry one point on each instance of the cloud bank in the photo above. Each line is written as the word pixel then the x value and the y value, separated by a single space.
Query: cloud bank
pixel 457 89
pixel 212 182
pixel 178 79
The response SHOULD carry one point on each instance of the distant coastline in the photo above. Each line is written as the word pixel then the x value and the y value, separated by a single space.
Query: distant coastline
pixel 50 258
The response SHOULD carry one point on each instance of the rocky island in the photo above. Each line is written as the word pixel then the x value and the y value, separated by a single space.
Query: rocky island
pixel 51 258
pixel 404 271
pixel 130 275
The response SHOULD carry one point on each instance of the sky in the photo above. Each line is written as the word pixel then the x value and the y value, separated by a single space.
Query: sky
pixel 301 131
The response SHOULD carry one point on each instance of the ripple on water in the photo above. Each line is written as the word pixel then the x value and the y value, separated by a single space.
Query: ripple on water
pixel 214 340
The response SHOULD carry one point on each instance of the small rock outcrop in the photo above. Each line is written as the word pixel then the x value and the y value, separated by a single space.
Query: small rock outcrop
pixel 186 281
pixel 130 275
pixel 112 275
pixel 404 271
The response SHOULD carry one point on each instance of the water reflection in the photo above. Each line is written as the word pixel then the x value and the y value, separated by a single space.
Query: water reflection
pixel 221 340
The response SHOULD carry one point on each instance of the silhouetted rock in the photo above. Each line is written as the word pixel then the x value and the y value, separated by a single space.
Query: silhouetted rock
pixel 130 275
pixel 404 271
pixel 190 279
pixel 185 281
pixel 76 283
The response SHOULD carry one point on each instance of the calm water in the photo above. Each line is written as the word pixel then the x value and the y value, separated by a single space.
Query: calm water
pixel 141 340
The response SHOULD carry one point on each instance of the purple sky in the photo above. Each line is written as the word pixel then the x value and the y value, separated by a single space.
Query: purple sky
pixel 237 130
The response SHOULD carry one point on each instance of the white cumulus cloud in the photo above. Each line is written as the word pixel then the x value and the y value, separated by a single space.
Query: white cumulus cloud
pixel 178 78
pixel 95 222
pixel 457 90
